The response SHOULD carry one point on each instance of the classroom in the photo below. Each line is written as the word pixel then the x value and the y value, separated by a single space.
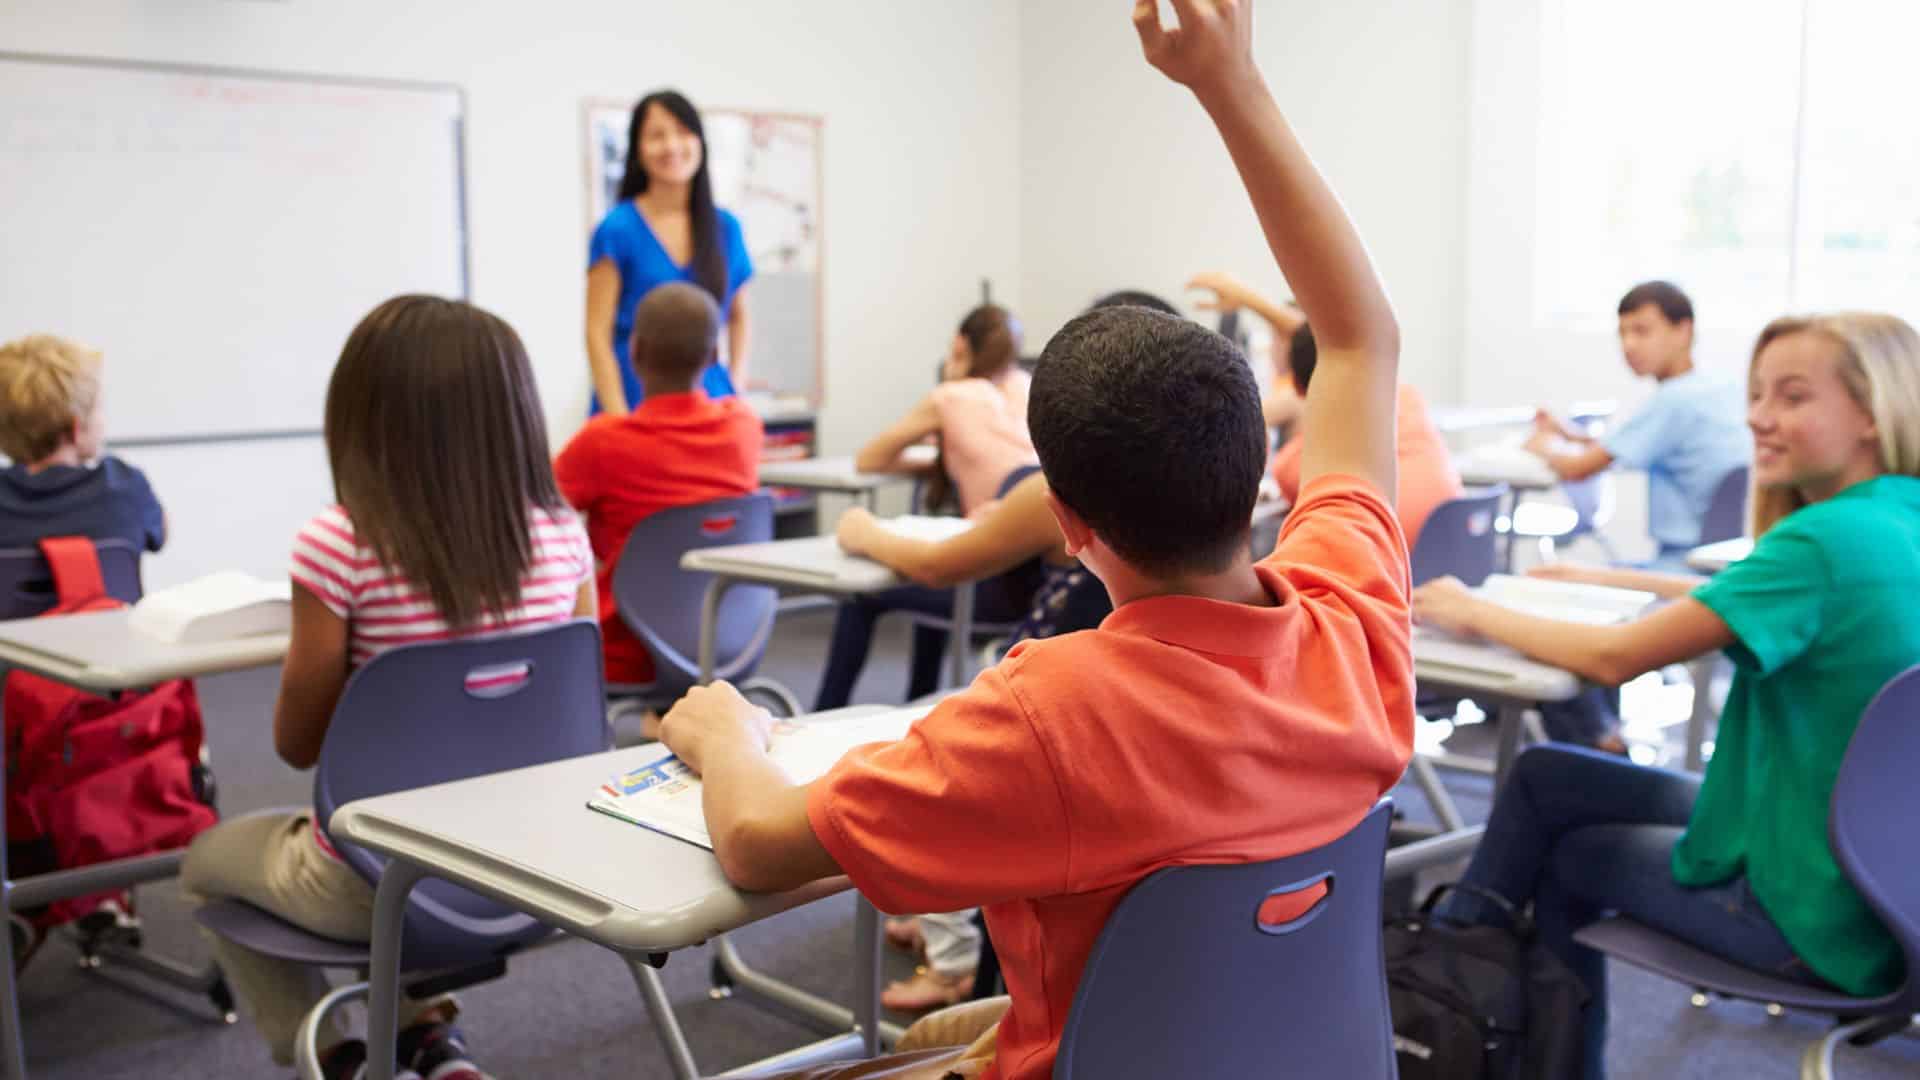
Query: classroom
pixel 991 539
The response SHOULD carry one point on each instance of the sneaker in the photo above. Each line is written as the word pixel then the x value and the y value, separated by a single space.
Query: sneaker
pixel 111 924
pixel 437 1051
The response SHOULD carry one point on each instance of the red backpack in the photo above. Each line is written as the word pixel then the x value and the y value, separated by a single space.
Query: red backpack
pixel 91 778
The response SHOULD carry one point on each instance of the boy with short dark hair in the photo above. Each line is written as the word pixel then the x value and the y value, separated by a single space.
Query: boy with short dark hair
pixel 678 447
pixel 1225 712
pixel 1688 436
pixel 52 432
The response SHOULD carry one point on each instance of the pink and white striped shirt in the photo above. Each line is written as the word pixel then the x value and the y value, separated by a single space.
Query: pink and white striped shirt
pixel 384 609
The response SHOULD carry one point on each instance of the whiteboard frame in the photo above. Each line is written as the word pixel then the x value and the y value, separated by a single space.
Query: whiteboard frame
pixel 596 182
pixel 459 185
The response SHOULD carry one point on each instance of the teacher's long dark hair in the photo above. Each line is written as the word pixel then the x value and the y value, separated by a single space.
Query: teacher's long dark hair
pixel 709 251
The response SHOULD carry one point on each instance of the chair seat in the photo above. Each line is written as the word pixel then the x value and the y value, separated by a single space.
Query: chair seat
pixel 1641 946
pixel 268 934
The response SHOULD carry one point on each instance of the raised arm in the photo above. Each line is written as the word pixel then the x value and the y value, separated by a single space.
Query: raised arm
pixel 1316 246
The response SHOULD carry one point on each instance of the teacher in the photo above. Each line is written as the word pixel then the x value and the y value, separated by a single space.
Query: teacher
pixel 664 228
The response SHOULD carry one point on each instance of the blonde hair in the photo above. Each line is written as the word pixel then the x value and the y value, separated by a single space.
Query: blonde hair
pixel 1880 366
pixel 46 384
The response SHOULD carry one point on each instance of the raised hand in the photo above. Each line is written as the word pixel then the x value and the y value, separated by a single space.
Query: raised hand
pixel 1229 292
pixel 1212 48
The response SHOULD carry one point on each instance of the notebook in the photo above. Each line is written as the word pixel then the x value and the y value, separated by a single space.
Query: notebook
pixel 663 794
pixel 218 607
pixel 1567 601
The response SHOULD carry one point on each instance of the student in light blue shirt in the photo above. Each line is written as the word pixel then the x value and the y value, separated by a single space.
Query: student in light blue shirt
pixel 1687 437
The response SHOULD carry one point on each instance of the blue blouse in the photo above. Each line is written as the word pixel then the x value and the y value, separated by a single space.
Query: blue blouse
pixel 637 254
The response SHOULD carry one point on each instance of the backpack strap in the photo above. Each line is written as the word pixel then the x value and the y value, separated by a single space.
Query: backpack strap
pixel 76 570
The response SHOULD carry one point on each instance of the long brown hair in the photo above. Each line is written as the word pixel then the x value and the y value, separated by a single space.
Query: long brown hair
pixel 993 339
pixel 709 262
pixel 439 449
pixel 1880 365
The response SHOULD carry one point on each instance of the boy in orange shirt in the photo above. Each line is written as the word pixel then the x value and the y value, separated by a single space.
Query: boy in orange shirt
pixel 676 448
pixel 1225 712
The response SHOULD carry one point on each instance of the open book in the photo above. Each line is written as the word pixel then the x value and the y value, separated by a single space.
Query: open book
pixel 217 607
pixel 1568 601
pixel 664 795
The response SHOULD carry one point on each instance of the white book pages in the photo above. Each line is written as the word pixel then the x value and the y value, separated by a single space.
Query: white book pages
pixel 218 607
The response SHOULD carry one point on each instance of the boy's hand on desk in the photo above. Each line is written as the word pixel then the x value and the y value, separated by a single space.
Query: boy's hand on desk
pixel 1211 49
pixel 856 526
pixel 1445 604
pixel 711 718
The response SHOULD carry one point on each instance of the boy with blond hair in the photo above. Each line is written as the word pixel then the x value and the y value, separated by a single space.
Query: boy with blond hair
pixel 52 431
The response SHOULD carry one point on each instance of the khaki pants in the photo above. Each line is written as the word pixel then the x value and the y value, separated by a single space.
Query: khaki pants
pixel 272 861
pixel 957 1041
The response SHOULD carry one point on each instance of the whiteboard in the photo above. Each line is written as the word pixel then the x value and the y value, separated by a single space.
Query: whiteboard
pixel 766 168
pixel 215 233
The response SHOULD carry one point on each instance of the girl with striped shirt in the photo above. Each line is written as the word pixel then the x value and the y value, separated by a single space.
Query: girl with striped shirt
pixel 448 523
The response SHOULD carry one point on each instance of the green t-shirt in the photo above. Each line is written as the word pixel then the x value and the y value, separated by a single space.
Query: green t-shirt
pixel 1823 616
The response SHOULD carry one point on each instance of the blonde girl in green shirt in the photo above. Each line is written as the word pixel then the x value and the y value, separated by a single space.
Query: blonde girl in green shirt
pixel 1816 620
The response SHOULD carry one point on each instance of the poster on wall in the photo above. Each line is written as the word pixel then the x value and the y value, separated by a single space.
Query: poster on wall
pixel 766 169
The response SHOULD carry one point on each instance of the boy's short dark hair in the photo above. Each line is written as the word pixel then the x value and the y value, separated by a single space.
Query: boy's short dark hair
pixel 1665 295
pixel 1149 427
pixel 1134 298
pixel 675 330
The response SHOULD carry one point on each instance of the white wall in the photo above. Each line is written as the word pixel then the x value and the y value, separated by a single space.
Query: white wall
pixel 1125 184
pixel 922 178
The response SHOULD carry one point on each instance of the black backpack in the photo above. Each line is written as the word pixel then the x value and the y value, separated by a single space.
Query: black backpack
pixel 1480 1002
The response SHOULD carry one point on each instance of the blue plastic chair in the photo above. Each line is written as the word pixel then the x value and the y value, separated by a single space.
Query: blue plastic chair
pixel 426 714
pixel 26 582
pixel 1875 803
pixel 1460 538
pixel 1726 516
pixel 1186 980
pixel 662 604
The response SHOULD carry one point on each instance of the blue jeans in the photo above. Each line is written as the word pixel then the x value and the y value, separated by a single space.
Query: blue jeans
pixel 1581 834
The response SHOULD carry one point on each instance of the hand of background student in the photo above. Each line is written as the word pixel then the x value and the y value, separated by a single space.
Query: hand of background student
pixel 1541 443
pixel 1212 48
pixel 1445 604
pixel 856 526
pixel 1229 293
pixel 710 718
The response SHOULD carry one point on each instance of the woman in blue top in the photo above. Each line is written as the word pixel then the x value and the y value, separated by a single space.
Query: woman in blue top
pixel 665 228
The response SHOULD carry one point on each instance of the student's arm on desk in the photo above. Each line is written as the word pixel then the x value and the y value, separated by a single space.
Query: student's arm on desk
pixel 1013 530
pixel 1607 655
pixel 1349 414
pixel 883 452
pixel 1578 464
pixel 756 816
pixel 1665 586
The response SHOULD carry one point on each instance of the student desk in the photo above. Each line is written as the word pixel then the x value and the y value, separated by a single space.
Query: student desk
pixel 1708 559
pixel 815 563
pixel 526 839
pixel 1713 558
pixel 98 652
pixel 1520 471
pixel 838 475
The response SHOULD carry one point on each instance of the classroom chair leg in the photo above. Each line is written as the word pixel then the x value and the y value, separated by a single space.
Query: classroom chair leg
pixel 665 1023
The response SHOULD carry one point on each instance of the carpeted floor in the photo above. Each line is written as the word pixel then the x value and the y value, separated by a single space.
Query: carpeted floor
pixel 572 1011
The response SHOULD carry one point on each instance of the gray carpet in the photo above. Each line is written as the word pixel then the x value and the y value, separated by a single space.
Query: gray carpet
pixel 572 1010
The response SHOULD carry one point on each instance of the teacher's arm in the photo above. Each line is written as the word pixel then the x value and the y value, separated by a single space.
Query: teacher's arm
pixel 603 297
pixel 739 337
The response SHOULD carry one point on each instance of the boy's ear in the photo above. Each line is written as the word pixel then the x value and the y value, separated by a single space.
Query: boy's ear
pixel 1072 526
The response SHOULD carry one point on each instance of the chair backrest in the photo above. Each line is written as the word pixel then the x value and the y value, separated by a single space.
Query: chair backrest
pixel 425 714
pixel 1187 980
pixel 26 581
pixel 662 603
pixel 1726 516
pixel 1460 539
pixel 1875 803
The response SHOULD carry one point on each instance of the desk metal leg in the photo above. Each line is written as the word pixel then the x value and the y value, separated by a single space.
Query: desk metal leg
pixel 383 980
pixel 1702 714
pixel 866 979
pixel 962 633
pixel 710 625
pixel 660 1010
pixel 812 1010
pixel 13 1056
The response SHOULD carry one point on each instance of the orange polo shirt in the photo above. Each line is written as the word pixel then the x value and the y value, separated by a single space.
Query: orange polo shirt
pixel 672 450
pixel 1183 730
pixel 1427 476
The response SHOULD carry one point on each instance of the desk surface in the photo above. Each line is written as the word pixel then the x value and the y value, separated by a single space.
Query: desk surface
pixel 1713 558
pixel 98 651
pixel 838 473
pixel 1502 463
pixel 527 839
pixel 1454 420
pixel 1450 664
pixel 814 562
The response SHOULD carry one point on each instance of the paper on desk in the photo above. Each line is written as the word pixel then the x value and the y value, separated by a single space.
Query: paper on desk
pixel 664 794
pixel 1567 601
pixel 925 527
pixel 218 607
